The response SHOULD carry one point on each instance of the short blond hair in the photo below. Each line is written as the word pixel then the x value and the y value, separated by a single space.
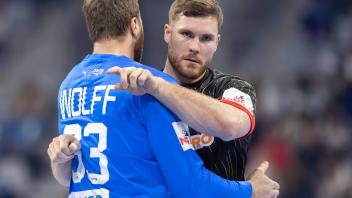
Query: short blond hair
pixel 196 8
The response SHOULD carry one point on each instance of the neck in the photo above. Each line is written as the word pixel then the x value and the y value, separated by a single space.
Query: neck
pixel 169 69
pixel 119 47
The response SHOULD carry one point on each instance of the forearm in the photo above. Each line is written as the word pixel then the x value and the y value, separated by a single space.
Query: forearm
pixel 203 113
pixel 62 172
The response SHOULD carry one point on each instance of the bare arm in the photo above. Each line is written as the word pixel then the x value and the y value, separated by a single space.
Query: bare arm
pixel 201 112
pixel 61 152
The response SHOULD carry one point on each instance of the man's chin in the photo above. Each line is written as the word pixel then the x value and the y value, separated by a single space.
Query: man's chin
pixel 190 74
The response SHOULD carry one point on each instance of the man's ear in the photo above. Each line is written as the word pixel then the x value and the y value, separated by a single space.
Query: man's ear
pixel 135 27
pixel 167 32
pixel 218 38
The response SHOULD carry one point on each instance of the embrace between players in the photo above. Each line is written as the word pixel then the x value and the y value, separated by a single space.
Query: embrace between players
pixel 127 135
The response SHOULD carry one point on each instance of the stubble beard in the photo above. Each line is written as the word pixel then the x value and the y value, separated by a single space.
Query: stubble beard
pixel 189 72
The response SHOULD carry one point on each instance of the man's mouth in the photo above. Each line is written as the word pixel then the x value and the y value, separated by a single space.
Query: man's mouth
pixel 192 60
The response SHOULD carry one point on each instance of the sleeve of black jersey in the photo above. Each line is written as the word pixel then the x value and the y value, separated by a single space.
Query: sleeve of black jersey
pixel 240 94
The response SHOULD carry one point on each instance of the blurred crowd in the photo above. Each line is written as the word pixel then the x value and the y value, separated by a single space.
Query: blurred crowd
pixel 304 113
pixel 307 135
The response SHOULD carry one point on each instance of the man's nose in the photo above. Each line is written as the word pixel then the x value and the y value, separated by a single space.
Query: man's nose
pixel 194 46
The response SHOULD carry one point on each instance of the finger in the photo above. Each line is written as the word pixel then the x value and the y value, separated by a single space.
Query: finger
pixel 124 78
pixel 134 78
pixel 64 143
pixel 273 183
pixel 75 146
pixel 55 154
pixel 143 78
pixel 56 149
pixel 62 158
pixel 51 155
pixel 55 139
pixel 276 193
pixel 49 151
pixel 263 166
pixel 51 146
pixel 276 185
pixel 118 86
pixel 114 70
pixel 56 146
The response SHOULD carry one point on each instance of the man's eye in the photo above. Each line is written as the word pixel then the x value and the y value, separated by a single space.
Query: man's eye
pixel 186 34
pixel 207 38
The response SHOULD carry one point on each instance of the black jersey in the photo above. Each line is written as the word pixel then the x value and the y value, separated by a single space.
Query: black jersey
pixel 226 159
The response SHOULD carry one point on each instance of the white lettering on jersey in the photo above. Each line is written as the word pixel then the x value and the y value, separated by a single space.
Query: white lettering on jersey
pixel 73 101
pixel 63 96
pixel 84 111
pixel 239 97
pixel 181 129
pixel 65 103
pixel 77 90
pixel 108 98
pixel 95 97
pixel 96 193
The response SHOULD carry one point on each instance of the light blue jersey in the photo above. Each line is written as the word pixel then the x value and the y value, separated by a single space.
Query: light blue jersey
pixel 132 146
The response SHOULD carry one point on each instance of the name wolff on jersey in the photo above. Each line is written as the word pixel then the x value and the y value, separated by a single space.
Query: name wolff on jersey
pixel 73 101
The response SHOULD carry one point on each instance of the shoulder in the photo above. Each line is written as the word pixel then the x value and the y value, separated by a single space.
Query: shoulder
pixel 127 62
pixel 234 87
pixel 72 77
pixel 224 81
pixel 154 71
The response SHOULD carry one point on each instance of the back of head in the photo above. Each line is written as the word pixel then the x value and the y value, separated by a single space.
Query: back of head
pixel 109 19
pixel 196 8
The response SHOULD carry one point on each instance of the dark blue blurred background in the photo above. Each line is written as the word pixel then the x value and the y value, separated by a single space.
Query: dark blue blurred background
pixel 297 53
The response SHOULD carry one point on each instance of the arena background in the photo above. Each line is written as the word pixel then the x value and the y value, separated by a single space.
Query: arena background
pixel 297 53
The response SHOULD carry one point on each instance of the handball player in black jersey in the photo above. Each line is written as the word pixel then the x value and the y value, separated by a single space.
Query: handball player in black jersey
pixel 219 108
